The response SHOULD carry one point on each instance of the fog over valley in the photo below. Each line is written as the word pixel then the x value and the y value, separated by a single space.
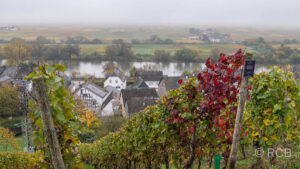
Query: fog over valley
pixel 270 13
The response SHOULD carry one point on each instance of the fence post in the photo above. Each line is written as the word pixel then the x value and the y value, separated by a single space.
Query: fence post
pixel 248 71
pixel 48 126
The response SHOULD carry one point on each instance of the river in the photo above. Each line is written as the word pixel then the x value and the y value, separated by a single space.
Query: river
pixel 171 69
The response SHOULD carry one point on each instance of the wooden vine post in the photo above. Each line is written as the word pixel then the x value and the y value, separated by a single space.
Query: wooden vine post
pixel 248 71
pixel 48 126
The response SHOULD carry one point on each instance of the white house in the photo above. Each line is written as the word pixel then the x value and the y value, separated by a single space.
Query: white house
pixel 151 78
pixel 110 106
pixel 117 79
pixel 92 95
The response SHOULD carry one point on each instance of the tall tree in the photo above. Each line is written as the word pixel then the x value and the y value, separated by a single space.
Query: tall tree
pixel 17 52
pixel 109 67
pixel 9 101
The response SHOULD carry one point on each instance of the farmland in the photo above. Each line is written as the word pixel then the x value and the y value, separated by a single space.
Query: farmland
pixel 293 46
pixel 178 33
pixel 144 49
pixel 148 49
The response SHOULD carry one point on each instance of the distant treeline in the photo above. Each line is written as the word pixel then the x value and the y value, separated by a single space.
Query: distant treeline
pixel 153 39
pixel 19 50
pixel 266 53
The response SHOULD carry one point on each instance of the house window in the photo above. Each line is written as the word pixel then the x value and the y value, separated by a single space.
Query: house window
pixel 110 81
pixel 118 87
pixel 117 81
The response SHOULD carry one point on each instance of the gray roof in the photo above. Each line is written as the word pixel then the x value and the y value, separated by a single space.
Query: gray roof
pixel 67 79
pixel 5 78
pixel 171 82
pixel 7 72
pixel 23 71
pixel 113 90
pixel 2 68
pixel 133 92
pixel 117 73
pixel 96 90
pixel 93 88
pixel 137 99
pixel 136 104
pixel 150 75
pixel 139 83
pixel 107 99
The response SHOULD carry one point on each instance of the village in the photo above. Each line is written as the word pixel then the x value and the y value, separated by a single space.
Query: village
pixel 119 95
pixel 209 35
pixel 130 84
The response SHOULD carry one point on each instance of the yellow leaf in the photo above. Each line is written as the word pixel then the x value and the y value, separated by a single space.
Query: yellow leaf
pixel 266 121
pixel 287 119
pixel 265 138
pixel 255 134
pixel 288 137
pixel 293 103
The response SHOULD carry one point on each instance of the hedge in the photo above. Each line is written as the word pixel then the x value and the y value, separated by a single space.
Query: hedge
pixel 21 160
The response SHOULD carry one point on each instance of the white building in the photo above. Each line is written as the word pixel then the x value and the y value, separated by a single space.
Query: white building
pixel 117 79
pixel 92 95
pixel 111 106
pixel 151 78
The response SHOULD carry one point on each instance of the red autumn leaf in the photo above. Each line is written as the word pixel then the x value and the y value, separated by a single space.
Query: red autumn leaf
pixel 199 76
pixel 175 121
pixel 229 71
pixel 222 58
pixel 225 79
pixel 191 130
pixel 180 81
pixel 209 64
pixel 237 77
pixel 221 122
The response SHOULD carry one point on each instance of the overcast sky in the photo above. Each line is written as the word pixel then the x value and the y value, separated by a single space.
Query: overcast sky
pixel 285 13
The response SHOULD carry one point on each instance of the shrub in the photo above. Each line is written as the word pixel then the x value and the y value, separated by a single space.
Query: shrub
pixel 162 56
pixel 9 101
pixel 7 140
pixel 186 55
pixel 87 136
pixel 22 160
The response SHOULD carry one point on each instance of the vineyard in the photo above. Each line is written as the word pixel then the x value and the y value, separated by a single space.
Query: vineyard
pixel 196 121
pixel 186 127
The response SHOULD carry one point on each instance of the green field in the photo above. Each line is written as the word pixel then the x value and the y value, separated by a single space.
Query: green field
pixel 148 49
pixel 177 33
pixel 293 46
